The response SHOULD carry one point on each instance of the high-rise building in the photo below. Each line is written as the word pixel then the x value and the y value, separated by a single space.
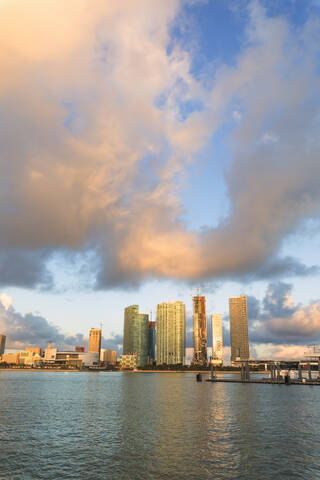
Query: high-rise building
pixel 239 329
pixel 171 333
pixel 217 345
pixel 199 330
pixel 109 357
pixel 152 342
pixel 2 344
pixel 95 341
pixel 136 334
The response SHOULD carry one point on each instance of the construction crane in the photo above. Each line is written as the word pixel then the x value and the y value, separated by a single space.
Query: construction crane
pixel 199 325
pixel 199 289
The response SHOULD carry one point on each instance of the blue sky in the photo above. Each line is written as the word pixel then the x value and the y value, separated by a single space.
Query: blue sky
pixel 146 152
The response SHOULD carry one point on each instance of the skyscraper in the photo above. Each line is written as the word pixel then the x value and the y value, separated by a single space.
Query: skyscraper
pixel 136 334
pixel 239 329
pixel 152 342
pixel 2 344
pixel 217 346
pixel 171 333
pixel 95 341
pixel 199 330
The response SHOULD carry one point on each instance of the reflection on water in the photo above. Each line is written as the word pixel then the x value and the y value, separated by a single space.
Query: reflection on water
pixel 154 426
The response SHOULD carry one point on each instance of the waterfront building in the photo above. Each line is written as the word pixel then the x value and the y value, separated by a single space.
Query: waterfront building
pixel 239 329
pixel 95 341
pixel 199 330
pixel 54 357
pixel 136 334
pixel 109 357
pixel 10 358
pixel 2 344
pixel 217 342
pixel 30 358
pixel 171 333
pixel 36 350
pixel 79 349
pixel 152 343
pixel 128 361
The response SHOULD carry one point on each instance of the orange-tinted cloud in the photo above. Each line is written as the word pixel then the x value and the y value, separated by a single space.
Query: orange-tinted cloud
pixel 94 149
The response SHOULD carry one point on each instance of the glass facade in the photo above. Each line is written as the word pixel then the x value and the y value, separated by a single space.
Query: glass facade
pixel 171 333
pixel 152 341
pixel 136 334
pixel 200 330
pixel 2 344
pixel 239 329
pixel 217 346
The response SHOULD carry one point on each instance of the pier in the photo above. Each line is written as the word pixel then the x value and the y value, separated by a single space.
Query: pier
pixel 264 380
pixel 277 377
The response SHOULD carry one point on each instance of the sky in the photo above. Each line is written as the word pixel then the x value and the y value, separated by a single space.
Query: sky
pixel 148 147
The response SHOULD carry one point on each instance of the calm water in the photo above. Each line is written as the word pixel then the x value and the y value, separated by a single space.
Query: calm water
pixel 155 426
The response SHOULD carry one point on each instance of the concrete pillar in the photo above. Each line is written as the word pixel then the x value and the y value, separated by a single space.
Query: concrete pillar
pixel 247 371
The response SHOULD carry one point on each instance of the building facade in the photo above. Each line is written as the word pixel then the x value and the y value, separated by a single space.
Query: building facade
pixel 136 334
pixel 109 357
pixel 217 341
pixel 95 341
pixel 70 358
pixel 200 356
pixel 36 350
pixel 30 357
pixel 10 358
pixel 128 361
pixel 239 329
pixel 171 333
pixel 2 344
pixel 152 342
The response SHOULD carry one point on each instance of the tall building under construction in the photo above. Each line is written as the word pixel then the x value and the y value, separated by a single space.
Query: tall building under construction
pixel 239 329
pixel 171 333
pixel 199 330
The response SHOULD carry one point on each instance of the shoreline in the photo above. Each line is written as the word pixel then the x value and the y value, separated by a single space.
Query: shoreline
pixel 119 371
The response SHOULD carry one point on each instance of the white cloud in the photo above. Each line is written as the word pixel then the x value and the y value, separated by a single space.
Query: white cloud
pixel 6 300
pixel 269 137
pixel 237 116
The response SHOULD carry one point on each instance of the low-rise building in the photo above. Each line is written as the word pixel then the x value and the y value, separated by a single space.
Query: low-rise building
pixel 128 361
pixel 10 358
pixel 37 350
pixel 75 359
pixel 30 358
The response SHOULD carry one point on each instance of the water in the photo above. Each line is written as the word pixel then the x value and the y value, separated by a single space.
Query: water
pixel 127 426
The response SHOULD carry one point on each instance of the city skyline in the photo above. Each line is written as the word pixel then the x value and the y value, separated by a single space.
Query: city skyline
pixel 147 150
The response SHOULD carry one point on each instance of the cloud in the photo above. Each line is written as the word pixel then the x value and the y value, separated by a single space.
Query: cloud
pixel 279 320
pixel 20 267
pixel 6 300
pixel 34 330
pixel 114 342
pixel 284 267
pixel 280 352
pixel 96 141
